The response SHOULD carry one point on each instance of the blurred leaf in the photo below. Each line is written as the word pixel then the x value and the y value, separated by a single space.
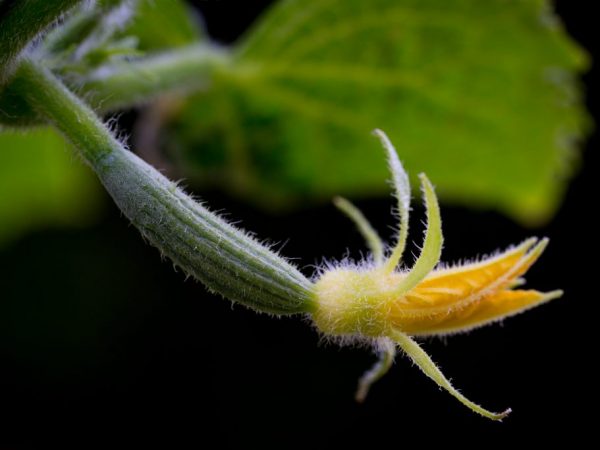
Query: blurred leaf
pixel 480 95
pixel 42 184
pixel 160 24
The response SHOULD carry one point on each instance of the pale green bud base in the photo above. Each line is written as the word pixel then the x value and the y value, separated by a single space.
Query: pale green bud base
pixel 354 302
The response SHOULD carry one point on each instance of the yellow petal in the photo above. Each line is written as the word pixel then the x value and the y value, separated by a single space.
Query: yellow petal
pixel 455 288
pixel 489 309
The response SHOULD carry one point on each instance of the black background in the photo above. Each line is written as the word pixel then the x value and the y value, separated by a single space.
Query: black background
pixel 103 345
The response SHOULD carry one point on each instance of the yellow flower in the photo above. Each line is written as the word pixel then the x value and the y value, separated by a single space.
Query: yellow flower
pixel 375 301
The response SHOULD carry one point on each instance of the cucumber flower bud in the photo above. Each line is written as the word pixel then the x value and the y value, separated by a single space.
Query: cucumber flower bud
pixel 377 302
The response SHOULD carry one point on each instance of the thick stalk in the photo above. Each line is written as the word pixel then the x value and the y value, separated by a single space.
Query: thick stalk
pixel 126 84
pixel 129 83
pixel 225 259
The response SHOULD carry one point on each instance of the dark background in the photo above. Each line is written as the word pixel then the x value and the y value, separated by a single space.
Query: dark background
pixel 102 345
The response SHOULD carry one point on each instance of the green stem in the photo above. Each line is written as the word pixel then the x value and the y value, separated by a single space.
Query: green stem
pixel 20 22
pixel 130 83
pixel 221 256
pixel 89 28
pixel 74 30
pixel 127 84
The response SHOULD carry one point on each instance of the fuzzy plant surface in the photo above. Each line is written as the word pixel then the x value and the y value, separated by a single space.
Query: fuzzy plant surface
pixel 63 78
pixel 482 96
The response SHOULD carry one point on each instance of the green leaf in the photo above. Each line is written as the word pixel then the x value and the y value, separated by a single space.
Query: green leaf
pixel 160 24
pixel 42 184
pixel 482 96
pixel 21 22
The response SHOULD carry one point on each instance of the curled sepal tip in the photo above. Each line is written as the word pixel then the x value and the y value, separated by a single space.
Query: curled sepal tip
pixel 424 362
pixel 401 184
pixel 386 350
pixel 364 227
pixel 432 245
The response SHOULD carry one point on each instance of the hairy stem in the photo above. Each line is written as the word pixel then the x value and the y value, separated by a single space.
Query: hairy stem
pixel 89 27
pixel 224 258
pixel 20 22
pixel 129 83
pixel 126 84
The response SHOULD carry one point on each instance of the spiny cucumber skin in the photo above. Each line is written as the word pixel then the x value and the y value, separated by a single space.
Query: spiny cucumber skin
pixel 224 258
